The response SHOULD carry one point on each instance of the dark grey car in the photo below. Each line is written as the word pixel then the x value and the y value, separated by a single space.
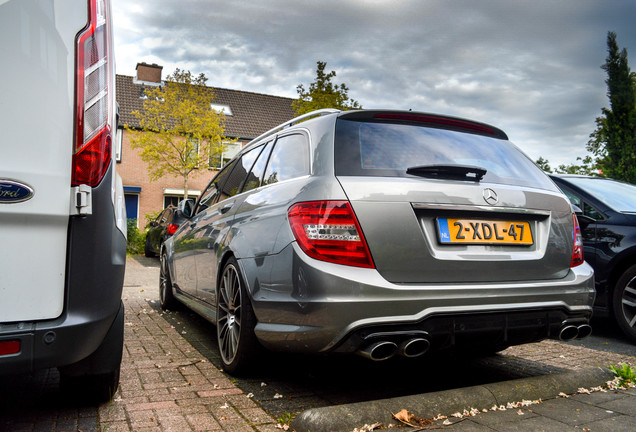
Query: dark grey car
pixel 381 233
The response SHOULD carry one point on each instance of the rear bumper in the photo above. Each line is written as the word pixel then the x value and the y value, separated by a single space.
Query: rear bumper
pixel 96 260
pixel 53 344
pixel 313 306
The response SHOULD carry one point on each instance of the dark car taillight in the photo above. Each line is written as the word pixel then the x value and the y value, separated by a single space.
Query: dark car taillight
pixel 329 231
pixel 93 98
pixel 577 248
pixel 171 229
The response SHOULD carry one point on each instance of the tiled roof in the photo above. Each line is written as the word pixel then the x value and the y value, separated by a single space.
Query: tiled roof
pixel 252 113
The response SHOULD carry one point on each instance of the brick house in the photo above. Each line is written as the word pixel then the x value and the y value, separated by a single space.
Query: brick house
pixel 247 115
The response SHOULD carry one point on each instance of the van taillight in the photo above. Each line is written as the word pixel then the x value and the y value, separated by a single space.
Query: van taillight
pixel 577 248
pixel 93 93
pixel 329 231
pixel 9 347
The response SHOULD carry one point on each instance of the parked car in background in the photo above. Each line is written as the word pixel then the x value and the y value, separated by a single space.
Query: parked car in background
pixel 62 213
pixel 164 226
pixel 608 223
pixel 379 233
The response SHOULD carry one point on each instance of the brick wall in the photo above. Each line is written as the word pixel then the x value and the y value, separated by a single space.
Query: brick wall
pixel 133 171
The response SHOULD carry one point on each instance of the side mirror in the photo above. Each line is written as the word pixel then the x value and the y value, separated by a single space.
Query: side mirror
pixel 154 224
pixel 186 207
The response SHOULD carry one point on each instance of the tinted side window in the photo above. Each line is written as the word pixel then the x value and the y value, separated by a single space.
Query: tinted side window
pixel 254 177
pixel 289 159
pixel 239 174
pixel 212 193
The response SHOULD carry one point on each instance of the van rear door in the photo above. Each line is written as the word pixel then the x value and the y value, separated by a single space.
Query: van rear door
pixel 38 50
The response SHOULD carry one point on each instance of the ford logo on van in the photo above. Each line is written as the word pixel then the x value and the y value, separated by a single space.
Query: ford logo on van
pixel 14 192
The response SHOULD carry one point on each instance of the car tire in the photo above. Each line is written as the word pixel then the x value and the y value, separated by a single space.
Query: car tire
pixel 147 249
pixel 624 303
pixel 235 321
pixel 166 296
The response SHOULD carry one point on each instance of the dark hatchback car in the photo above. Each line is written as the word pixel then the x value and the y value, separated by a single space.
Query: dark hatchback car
pixel 608 223
pixel 162 228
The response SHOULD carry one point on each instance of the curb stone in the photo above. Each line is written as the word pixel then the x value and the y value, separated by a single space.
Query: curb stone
pixel 344 418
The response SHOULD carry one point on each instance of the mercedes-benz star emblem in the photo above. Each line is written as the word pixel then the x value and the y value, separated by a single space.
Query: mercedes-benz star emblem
pixel 490 196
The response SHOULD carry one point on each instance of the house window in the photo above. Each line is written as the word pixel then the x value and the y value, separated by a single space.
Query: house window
pixel 173 196
pixel 219 159
pixel 193 150
pixel 220 108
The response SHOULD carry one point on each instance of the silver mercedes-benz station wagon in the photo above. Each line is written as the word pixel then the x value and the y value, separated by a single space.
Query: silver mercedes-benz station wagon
pixel 380 233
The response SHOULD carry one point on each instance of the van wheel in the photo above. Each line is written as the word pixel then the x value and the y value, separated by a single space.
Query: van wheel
pixel 624 303
pixel 235 321
pixel 95 379
pixel 91 388
pixel 166 297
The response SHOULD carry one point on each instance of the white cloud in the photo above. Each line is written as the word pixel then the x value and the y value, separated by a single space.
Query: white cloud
pixel 531 68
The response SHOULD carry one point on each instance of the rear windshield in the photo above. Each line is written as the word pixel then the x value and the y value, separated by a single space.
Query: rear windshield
pixel 387 149
pixel 614 194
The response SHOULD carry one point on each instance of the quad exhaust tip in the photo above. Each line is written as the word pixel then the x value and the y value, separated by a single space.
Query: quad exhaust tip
pixel 384 350
pixel 569 332
pixel 379 351
pixel 414 347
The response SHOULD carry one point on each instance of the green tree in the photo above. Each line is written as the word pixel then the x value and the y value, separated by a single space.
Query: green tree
pixel 586 166
pixel 614 140
pixel 544 164
pixel 322 93
pixel 178 129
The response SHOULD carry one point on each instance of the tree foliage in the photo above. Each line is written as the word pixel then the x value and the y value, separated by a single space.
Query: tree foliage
pixel 614 140
pixel 584 166
pixel 322 93
pixel 178 129
pixel 544 164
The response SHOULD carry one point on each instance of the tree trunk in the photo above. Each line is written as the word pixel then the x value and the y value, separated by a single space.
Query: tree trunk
pixel 185 187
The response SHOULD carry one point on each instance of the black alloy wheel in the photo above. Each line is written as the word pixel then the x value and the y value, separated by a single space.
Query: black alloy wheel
pixel 624 303
pixel 234 321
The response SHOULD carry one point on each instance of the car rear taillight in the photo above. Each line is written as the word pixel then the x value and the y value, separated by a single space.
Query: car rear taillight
pixel 171 229
pixel 9 347
pixel 577 249
pixel 329 231
pixel 93 97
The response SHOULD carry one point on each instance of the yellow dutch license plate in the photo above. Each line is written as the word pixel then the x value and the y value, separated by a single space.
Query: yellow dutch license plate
pixel 479 231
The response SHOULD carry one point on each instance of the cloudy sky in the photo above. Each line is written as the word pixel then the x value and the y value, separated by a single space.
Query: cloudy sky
pixel 531 68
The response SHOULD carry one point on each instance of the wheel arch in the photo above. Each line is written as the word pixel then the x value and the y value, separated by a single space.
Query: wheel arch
pixel 621 263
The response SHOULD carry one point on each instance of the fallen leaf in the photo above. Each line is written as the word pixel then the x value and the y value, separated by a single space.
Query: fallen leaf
pixel 403 416
pixel 410 419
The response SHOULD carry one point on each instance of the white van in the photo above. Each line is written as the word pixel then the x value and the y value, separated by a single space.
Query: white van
pixel 62 214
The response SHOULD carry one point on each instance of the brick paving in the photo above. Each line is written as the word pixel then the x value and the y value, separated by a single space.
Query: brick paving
pixel 166 384
pixel 169 385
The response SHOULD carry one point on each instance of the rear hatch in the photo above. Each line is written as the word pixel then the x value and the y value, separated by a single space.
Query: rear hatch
pixel 444 200
pixel 37 48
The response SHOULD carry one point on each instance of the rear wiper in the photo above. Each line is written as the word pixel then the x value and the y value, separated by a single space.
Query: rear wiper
pixel 450 172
